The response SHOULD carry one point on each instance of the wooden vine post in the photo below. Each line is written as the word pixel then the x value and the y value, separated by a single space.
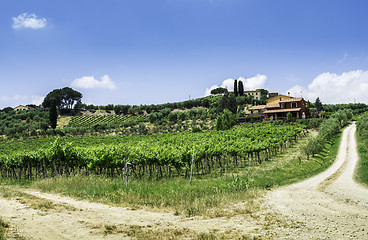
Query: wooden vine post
pixel 191 168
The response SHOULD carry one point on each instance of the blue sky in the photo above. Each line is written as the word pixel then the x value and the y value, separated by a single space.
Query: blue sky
pixel 158 51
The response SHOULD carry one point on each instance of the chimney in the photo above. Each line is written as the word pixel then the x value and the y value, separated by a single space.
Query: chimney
pixel 288 94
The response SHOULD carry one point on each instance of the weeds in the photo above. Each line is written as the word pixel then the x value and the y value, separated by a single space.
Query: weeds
pixel 362 170
pixel 32 201
pixel 3 229
pixel 109 229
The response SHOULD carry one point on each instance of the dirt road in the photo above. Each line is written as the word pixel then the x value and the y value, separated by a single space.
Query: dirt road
pixel 74 219
pixel 330 205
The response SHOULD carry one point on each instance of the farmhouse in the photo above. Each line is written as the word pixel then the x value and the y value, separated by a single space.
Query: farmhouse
pixel 272 94
pixel 256 110
pixel 279 106
pixel 22 108
pixel 256 94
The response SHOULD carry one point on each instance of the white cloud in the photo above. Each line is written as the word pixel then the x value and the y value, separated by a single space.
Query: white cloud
pixel 15 100
pixel 37 100
pixel 20 98
pixel 91 82
pixel 252 83
pixel 26 20
pixel 297 91
pixel 333 88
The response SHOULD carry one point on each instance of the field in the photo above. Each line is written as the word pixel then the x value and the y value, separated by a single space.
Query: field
pixel 92 120
pixel 209 175
pixel 162 155
pixel 223 193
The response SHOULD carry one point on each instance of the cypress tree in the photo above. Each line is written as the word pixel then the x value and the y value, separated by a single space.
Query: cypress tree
pixel 241 88
pixel 223 104
pixel 232 105
pixel 236 87
pixel 318 105
pixel 53 114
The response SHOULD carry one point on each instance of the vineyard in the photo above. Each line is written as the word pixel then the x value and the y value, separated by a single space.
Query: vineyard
pixel 162 155
pixel 91 120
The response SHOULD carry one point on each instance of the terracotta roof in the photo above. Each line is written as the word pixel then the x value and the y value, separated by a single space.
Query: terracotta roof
pixel 248 91
pixel 283 110
pixel 291 100
pixel 274 105
pixel 277 97
pixel 258 107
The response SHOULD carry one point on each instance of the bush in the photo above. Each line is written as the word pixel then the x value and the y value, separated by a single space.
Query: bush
pixel 225 120
pixel 328 129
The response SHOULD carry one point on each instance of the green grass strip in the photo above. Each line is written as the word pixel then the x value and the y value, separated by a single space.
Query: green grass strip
pixel 362 168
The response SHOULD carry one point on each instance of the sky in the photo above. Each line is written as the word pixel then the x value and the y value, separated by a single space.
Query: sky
pixel 159 51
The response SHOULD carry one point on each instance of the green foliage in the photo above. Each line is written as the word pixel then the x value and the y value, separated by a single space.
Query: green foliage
pixel 241 88
pixel 65 98
pixel 206 195
pixel 313 112
pixel 356 108
pixel 93 121
pixel 235 87
pixel 362 129
pixel 289 117
pixel 318 105
pixel 225 121
pixel 228 102
pixel 310 123
pixel 219 90
pixel 165 150
pixel 328 129
pixel 53 115
pixel 8 110
pixel 3 229
pixel 232 104
pixel 264 96
pixel 23 124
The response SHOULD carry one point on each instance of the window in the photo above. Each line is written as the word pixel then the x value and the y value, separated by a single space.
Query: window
pixel 293 105
pixel 283 105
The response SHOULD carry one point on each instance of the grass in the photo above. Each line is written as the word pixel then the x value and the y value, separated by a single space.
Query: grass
pixel 150 232
pixel 3 229
pixel 362 168
pixel 176 194
pixel 30 200
pixel 288 168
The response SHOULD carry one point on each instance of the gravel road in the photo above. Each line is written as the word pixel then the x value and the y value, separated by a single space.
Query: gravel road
pixel 330 205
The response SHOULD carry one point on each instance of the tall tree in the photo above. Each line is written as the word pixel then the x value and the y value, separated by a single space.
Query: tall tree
pixel 241 88
pixel 53 114
pixel 223 104
pixel 225 120
pixel 65 98
pixel 219 90
pixel 318 105
pixel 232 104
pixel 236 87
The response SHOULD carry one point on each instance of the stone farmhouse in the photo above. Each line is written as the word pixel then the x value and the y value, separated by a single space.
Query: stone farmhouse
pixel 278 107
